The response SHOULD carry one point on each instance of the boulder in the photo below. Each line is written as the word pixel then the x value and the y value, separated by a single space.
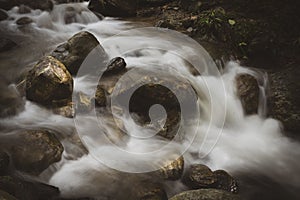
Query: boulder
pixel 37 4
pixel 3 15
pixel 24 21
pixel 174 170
pixel 225 181
pixel 35 150
pixel 49 83
pixel 4 162
pixel 206 194
pixel 200 176
pixel 116 65
pixel 23 190
pixel 284 99
pixel 73 52
pixel 23 9
pixel 248 92
pixel 114 8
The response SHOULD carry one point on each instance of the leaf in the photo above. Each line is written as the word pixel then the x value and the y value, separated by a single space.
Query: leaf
pixel 231 22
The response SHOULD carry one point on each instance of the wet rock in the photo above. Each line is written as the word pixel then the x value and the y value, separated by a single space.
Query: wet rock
pixel 49 83
pixel 24 21
pixel 70 15
pixel 248 92
pixel 142 3
pixel 73 52
pixel 84 103
pixel 115 65
pixel 100 97
pixel 174 170
pixel 149 191
pixel 114 8
pixel 206 194
pixel 6 196
pixel 35 151
pixel 37 4
pixel 4 162
pixel 3 15
pixel 200 176
pixel 225 181
pixel 23 9
pixel 66 111
pixel 11 101
pixel 284 97
pixel 23 190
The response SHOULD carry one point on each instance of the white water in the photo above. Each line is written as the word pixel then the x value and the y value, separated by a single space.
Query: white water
pixel 247 144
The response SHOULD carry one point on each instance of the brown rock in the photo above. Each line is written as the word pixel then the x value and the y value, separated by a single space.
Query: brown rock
pixel 49 83
pixel 206 194
pixel 174 170
pixel 248 92
pixel 4 162
pixel 24 21
pixel 225 181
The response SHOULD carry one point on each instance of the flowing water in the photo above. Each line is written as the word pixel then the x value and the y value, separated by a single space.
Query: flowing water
pixel 252 148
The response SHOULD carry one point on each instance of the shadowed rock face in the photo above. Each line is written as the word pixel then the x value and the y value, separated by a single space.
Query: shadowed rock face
pixel 4 162
pixel 248 92
pixel 206 194
pixel 73 52
pixel 284 99
pixel 114 8
pixel 35 151
pixel 49 82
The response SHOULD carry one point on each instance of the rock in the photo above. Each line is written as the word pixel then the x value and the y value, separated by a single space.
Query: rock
pixel 73 52
pixel 200 176
pixel 37 4
pixel 284 97
pixel 248 92
pixel 100 97
pixel 35 151
pixel 142 3
pixel 174 170
pixel 11 101
pixel 24 21
pixel 6 44
pixel 3 15
pixel 225 181
pixel 23 190
pixel 84 103
pixel 70 15
pixel 149 191
pixel 23 9
pixel 6 196
pixel 114 8
pixel 4 162
pixel 206 194
pixel 49 83
pixel 66 111
pixel 116 65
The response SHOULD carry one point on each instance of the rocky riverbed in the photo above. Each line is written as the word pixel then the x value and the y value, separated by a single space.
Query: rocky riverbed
pixel 49 148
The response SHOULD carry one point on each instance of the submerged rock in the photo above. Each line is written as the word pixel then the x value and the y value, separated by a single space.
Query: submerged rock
pixel 284 99
pixel 49 83
pixel 73 52
pixel 248 92
pixel 24 21
pixel 225 181
pixel 6 44
pixel 35 150
pixel 149 191
pixel 206 194
pixel 114 8
pixel 23 190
